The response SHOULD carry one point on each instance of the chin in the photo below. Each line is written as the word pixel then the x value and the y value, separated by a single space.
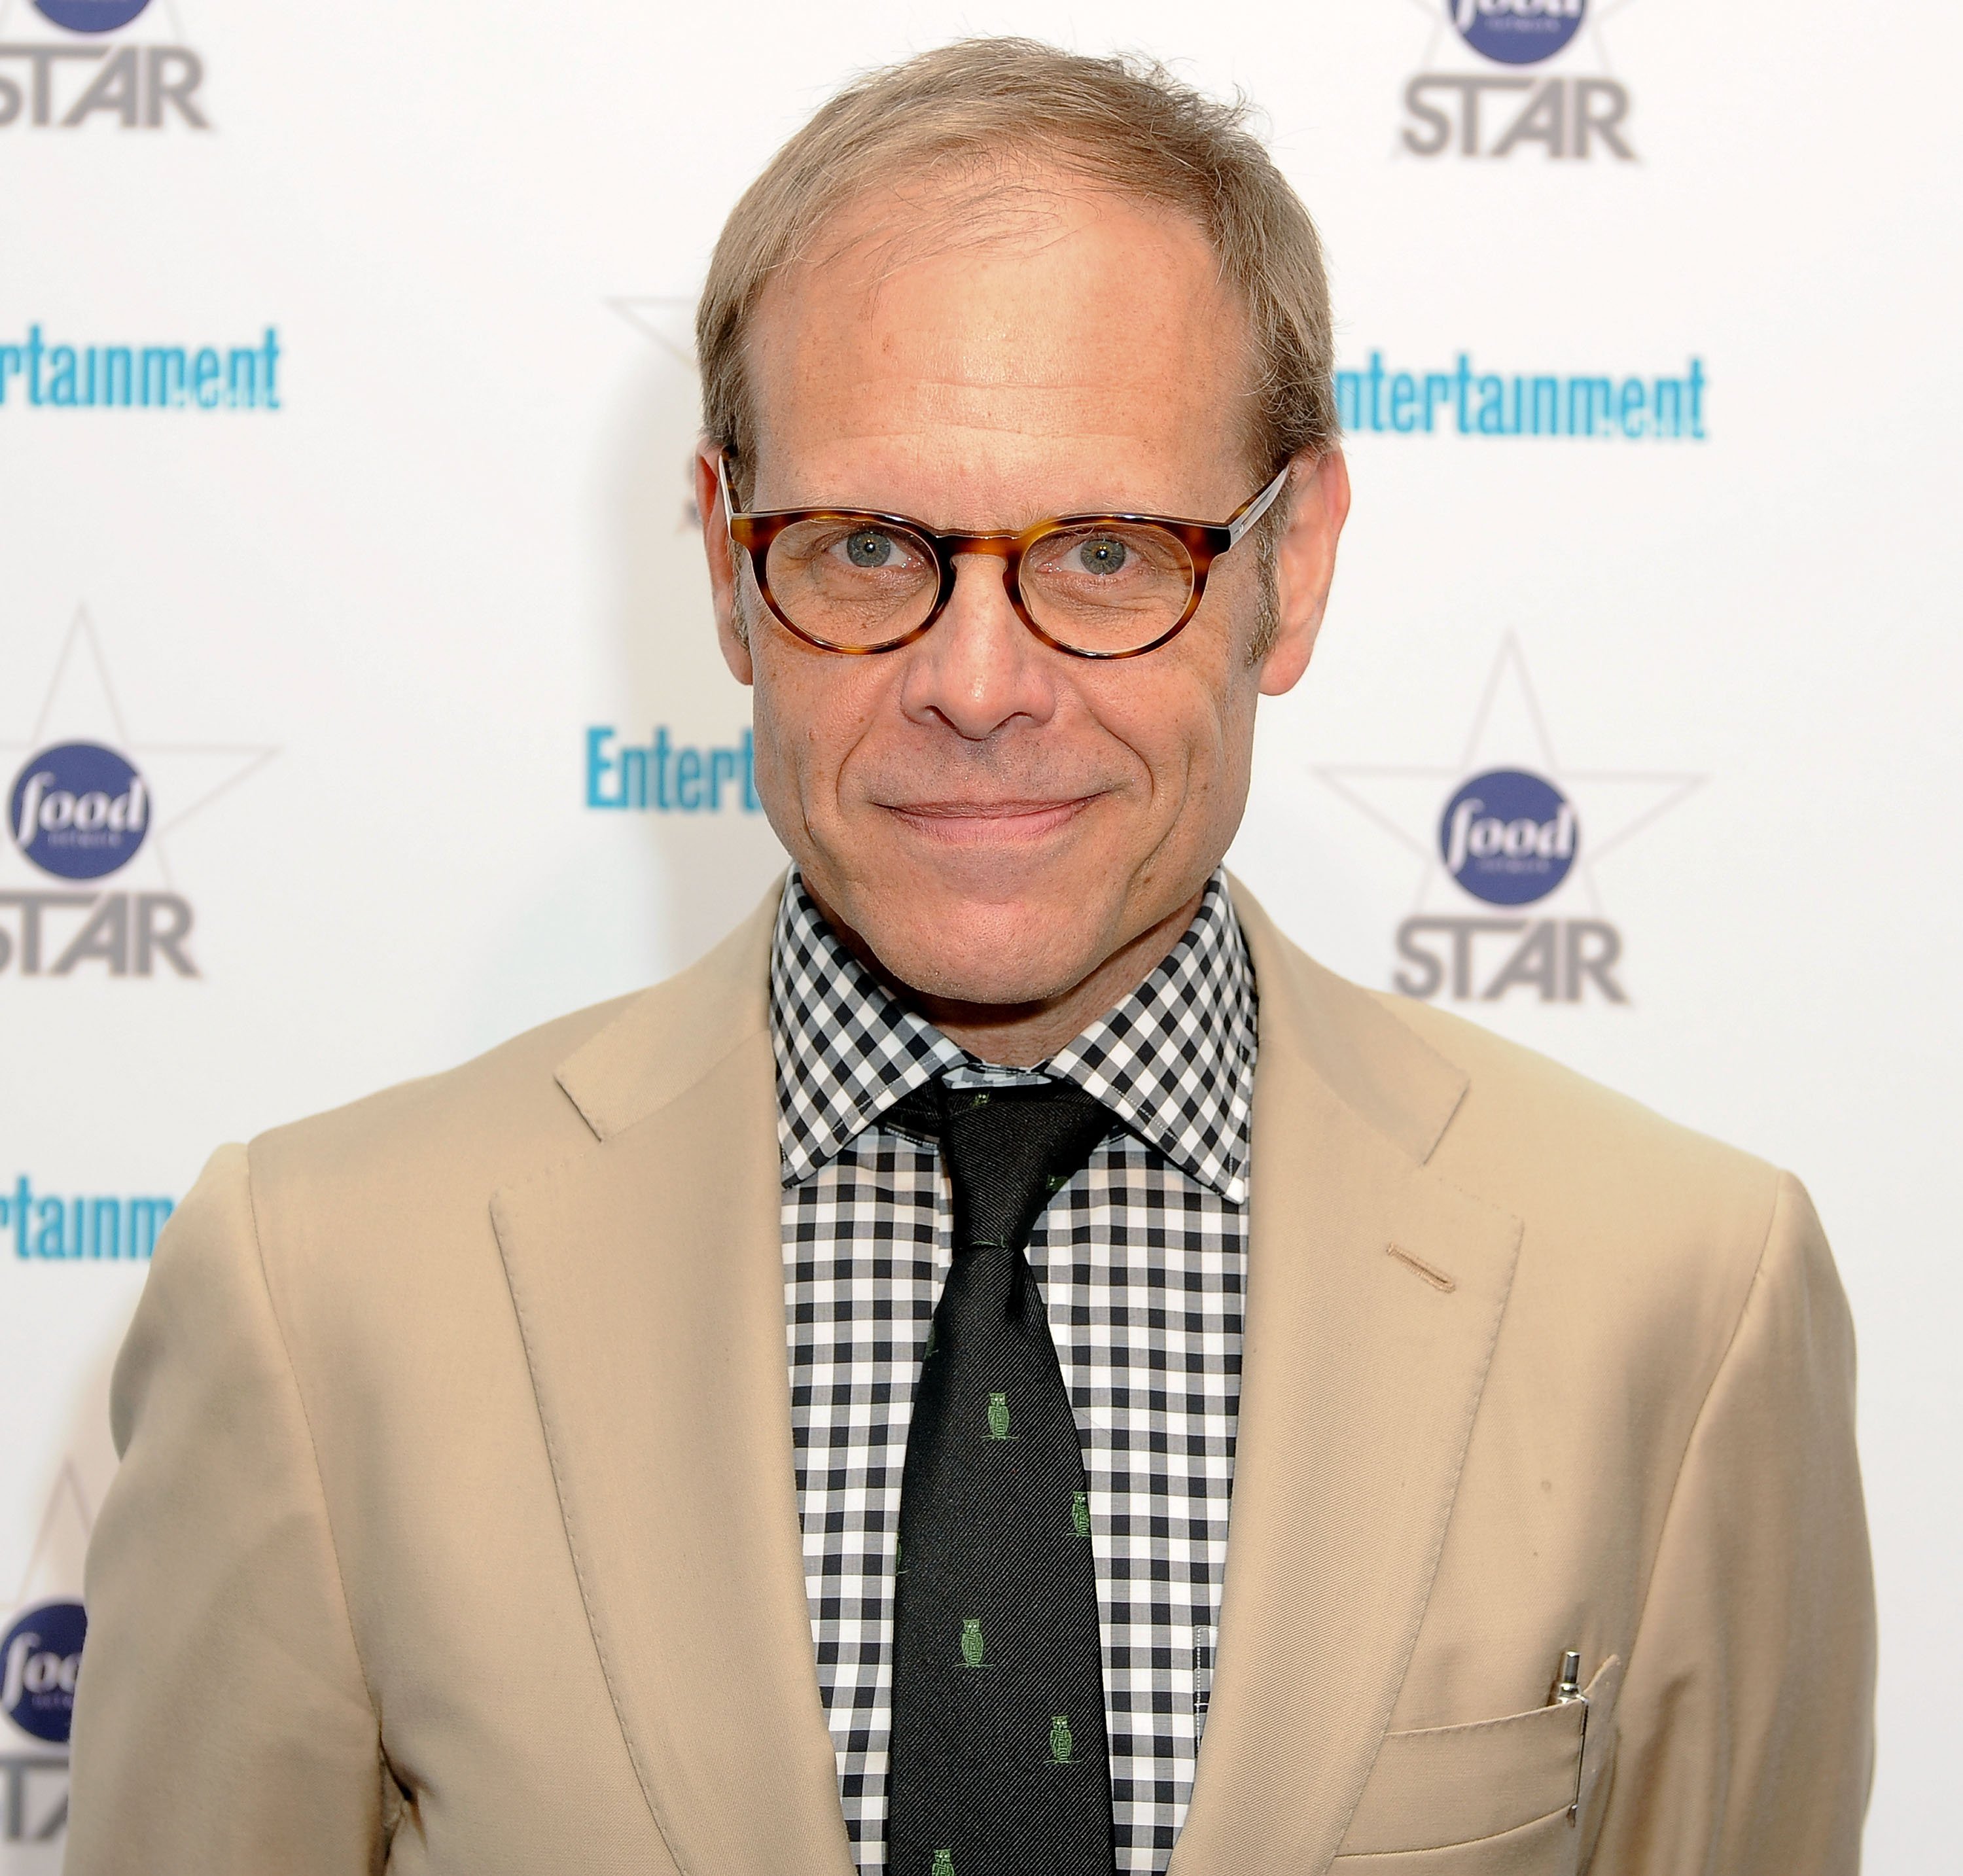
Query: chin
pixel 987 950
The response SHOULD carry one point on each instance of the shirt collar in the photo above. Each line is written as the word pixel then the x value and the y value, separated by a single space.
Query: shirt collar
pixel 1174 1061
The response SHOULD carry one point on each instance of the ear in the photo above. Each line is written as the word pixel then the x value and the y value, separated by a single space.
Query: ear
pixel 1305 565
pixel 723 570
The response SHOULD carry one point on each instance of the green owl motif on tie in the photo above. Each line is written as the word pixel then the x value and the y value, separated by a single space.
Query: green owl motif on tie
pixel 979 1765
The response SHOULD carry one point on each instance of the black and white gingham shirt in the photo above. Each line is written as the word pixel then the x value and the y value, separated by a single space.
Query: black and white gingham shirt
pixel 1142 1262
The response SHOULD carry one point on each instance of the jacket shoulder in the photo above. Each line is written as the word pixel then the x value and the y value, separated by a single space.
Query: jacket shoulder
pixel 535 1100
pixel 403 1180
pixel 1589 1169
pixel 487 1116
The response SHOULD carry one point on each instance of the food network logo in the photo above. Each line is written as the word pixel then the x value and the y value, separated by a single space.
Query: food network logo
pixel 1509 827
pixel 42 1631
pixel 83 809
pixel 40 1657
pixel 61 68
pixel 1459 105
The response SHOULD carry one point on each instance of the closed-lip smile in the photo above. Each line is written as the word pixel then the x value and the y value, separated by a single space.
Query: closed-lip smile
pixel 993 822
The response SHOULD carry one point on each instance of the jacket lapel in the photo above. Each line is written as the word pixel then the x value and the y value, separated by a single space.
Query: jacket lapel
pixel 647 1275
pixel 1362 1369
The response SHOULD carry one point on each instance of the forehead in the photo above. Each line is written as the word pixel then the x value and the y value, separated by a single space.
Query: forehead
pixel 1047 329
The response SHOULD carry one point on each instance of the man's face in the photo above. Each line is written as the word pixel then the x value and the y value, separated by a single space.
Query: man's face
pixel 992 818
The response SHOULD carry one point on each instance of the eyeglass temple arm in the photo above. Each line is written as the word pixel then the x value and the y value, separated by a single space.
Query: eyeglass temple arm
pixel 1257 506
pixel 722 486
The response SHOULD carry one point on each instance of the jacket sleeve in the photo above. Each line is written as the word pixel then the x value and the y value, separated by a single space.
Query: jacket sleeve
pixel 1746 1725
pixel 222 1725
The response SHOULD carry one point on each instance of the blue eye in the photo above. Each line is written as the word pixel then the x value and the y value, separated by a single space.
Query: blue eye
pixel 869 548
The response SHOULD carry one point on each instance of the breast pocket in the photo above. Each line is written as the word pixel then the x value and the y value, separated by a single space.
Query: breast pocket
pixel 1489 1799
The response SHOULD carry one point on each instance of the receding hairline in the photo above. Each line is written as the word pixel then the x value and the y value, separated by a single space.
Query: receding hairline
pixel 995 214
pixel 979 116
pixel 982 186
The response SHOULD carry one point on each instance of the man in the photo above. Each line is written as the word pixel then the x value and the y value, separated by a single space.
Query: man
pixel 789 1418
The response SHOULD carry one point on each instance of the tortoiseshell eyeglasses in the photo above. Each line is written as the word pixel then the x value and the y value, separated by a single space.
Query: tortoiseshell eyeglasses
pixel 1093 585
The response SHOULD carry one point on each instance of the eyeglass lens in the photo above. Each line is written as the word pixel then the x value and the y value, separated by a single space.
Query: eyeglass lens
pixel 1107 587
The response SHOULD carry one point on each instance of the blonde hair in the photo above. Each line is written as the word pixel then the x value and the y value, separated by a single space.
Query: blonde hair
pixel 965 111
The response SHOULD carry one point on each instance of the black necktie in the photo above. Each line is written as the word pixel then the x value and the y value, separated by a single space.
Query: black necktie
pixel 999 1765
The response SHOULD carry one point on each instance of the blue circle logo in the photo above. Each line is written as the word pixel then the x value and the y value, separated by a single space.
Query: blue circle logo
pixel 90 16
pixel 1516 32
pixel 40 1657
pixel 79 810
pixel 1509 837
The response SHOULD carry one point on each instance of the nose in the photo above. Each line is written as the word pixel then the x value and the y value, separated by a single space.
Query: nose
pixel 980 669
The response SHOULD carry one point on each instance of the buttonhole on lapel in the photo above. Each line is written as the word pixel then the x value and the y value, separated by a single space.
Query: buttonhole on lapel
pixel 1430 1272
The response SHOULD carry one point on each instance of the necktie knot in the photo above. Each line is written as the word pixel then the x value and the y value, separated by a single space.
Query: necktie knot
pixel 1009 1151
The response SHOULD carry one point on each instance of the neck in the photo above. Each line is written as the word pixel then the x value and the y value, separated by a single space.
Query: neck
pixel 1019 1036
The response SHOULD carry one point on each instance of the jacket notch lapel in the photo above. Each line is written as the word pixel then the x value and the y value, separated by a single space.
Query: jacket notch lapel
pixel 1375 1293
pixel 647 1275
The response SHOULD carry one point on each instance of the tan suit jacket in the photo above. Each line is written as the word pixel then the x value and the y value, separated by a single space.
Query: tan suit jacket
pixel 457 1530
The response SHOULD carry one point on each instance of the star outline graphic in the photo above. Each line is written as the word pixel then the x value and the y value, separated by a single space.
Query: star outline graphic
pixel 1672 787
pixel 83 638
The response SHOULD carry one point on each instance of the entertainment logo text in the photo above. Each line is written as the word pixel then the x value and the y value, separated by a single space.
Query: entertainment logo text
pixel 1376 400
pixel 666 776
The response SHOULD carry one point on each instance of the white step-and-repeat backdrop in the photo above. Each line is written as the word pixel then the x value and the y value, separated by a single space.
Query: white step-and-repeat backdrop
pixel 346 561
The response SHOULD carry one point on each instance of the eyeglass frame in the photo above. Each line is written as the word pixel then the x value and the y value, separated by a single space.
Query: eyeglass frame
pixel 1204 543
